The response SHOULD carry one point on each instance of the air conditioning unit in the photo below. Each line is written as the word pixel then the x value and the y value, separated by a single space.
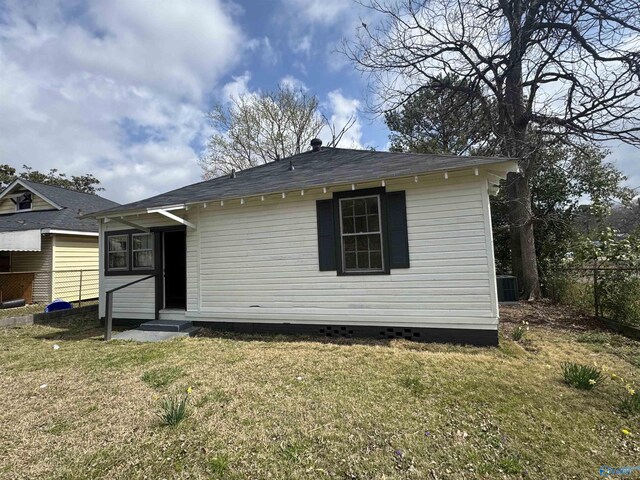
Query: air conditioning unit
pixel 507 288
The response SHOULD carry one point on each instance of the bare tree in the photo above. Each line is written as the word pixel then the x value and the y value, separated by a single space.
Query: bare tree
pixel 258 128
pixel 556 67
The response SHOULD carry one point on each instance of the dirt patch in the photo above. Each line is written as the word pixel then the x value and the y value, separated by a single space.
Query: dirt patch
pixel 550 315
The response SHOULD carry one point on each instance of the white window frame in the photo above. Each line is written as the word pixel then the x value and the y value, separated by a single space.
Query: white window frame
pixel 17 202
pixel 126 252
pixel 150 249
pixel 379 232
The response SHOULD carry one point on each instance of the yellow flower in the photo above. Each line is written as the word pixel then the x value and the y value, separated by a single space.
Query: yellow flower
pixel 630 390
pixel 613 375
pixel 189 390
pixel 592 381
pixel 625 431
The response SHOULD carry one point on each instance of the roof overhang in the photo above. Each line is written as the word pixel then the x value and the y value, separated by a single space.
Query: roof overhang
pixel 17 181
pixel 21 241
pixel 70 232
pixel 494 173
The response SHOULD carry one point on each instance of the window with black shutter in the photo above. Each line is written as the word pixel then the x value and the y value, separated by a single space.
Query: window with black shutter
pixel 363 232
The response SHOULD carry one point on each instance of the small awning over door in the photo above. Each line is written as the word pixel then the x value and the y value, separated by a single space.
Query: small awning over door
pixel 24 241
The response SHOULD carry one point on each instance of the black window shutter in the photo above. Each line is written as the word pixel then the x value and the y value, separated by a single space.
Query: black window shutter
pixel 397 230
pixel 326 235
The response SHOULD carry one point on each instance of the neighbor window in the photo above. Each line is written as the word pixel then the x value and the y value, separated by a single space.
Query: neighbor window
pixel 118 252
pixel 24 201
pixel 361 234
pixel 142 250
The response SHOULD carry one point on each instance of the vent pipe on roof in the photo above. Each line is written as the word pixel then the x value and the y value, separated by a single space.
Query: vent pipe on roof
pixel 291 167
pixel 233 173
pixel 316 144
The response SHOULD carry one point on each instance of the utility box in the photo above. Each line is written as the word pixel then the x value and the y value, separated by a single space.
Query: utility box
pixel 507 288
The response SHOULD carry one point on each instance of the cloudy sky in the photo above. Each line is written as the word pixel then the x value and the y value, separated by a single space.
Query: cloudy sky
pixel 120 88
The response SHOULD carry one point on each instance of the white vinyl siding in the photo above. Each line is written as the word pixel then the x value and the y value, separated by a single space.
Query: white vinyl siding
pixel 136 301
pixel 259 262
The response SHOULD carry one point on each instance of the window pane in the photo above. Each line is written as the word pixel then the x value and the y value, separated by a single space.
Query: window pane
pixel 361 224
pixel 350 260
pixel 363 260
pixel 374 242
pixel 362 248
pixel 348 225
pixel 347 208
pixel 349 244
pixel 374 223
pixel 376 260
pixel 372 205
pixel 118 244
pixel 118 260
pixel 142 242
pixel 142 259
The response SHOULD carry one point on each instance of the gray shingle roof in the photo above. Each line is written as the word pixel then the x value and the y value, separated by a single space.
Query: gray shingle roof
pixel 329 166
pixel 73 204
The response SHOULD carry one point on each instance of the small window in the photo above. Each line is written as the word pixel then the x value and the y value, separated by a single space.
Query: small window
pixel 118 252
pixel 361 234
pixel 24 201
pixel 142 249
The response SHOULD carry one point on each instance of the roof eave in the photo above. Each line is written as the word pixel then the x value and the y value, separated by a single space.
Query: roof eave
pixel 508 165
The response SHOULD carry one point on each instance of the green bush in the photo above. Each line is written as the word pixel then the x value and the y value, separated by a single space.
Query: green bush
pixel 173 409
pixel 571 288
pixel 620 296
pixel 579 376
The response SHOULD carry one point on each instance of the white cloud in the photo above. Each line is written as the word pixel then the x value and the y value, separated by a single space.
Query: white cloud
pixel 293 83
pixel 302 45
pixel 263 47
pixel 237 87
pixel 115 88
pixel 317 11
pixel 625 158
pixel 343 109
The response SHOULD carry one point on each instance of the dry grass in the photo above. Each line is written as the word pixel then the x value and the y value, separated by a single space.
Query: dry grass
pixel 277 407
pixel 36 308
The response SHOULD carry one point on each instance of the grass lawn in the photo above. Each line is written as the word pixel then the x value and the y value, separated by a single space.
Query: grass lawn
pixel 279 407
pixel 36 308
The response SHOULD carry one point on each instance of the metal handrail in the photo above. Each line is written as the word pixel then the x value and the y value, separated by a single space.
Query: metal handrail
pixel 108 323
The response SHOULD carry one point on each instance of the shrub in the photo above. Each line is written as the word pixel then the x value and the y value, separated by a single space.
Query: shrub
pixel 570 288
pixel 620 296
pixel 174 409
pixel 579 376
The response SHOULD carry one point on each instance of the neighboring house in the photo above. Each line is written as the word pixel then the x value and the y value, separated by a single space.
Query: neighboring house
pixel 40 232
pixel 333 242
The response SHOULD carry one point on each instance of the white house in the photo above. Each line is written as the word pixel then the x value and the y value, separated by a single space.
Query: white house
pixel 334 242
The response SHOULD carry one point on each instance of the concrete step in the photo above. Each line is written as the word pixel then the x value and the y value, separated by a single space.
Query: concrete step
pixel 172 314
pixel 166 326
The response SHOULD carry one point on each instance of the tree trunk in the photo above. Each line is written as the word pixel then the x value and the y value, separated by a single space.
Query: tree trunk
pixel 514 230
pixel 528 258
pixel 524 261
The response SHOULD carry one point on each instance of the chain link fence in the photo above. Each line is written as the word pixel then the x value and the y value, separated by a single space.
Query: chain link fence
pixel 41 287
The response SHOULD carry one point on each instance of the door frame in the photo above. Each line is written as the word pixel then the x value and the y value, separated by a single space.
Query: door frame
pixel 159 259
